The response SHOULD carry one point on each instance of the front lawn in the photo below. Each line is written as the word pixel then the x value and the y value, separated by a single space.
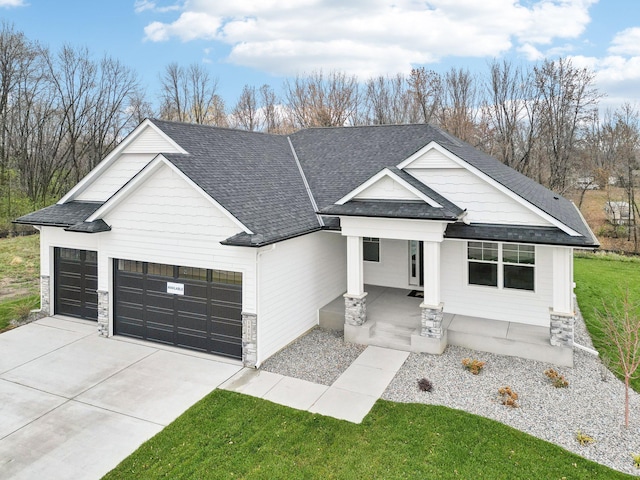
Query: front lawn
pixel 604 278
pixel 229 435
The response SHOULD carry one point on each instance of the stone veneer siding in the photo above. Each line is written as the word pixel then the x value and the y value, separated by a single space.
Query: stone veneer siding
pixel 249 339
pixel 45 294
pixel 561 334
pixel 355 309
pixel 103 313
pixel 431 321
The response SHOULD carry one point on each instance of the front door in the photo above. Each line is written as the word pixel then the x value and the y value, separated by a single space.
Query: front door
pixel 416 275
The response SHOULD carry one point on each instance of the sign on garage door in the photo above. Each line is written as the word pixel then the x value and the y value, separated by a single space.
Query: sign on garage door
pixel 188 307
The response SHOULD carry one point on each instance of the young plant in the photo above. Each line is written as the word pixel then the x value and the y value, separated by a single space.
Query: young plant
pixel 584 439
pixel 557 380
pixel 474 365
pixel 508 397
pixel 425 385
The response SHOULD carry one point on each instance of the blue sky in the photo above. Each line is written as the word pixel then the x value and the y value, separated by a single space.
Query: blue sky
pixel 265 41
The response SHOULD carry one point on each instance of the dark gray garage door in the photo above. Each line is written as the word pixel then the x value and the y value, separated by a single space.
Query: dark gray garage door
pixel 188 307
pixel 76 281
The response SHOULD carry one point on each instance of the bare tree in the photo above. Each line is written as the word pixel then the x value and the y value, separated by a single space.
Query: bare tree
pixel 566 99
pixel 458 112
pixel 425 90
pixel 245 114
pixel 510 109
pixel 189 95
pixel 320 100
pixel 621 332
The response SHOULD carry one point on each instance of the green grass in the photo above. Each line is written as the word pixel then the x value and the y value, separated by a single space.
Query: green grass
pixel 19 277
pixel 229 435
pixel 17 309
pixel 605 278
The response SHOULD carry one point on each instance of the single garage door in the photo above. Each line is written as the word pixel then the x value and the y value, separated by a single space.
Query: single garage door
pixel 188 307
pixel 76 281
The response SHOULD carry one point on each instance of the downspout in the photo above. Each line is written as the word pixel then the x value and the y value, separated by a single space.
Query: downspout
pixel 259 254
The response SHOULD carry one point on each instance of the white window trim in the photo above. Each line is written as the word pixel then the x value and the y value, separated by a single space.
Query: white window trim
pixel 500 263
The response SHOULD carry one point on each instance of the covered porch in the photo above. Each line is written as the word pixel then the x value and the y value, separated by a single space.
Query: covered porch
pixel 394 320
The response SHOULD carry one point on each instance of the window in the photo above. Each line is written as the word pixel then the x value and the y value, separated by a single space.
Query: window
pixel 160 270
pixel 371 249
pixel 501 265
pixel 193 273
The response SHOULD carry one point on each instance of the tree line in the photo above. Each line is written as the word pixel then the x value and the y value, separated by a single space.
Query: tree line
pixel 62 112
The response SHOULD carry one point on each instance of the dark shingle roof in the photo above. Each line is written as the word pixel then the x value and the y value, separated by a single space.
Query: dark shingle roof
pixel 256 178
pixel 512 233
pixel 64 215
pixel 253 175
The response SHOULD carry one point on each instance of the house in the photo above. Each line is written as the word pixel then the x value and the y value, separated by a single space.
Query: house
pixel 232 242
pixel 618 212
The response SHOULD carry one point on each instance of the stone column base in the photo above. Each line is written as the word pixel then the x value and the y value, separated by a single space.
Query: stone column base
pixel 355 309
pixel 431 320
pixel 249 339
pixel 561 329
pixel 45 294
pixel 103 313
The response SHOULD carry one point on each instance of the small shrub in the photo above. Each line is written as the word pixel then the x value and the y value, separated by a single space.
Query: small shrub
pixel 557 380
pixel 474 365
pixel 508 397
pixel 425 385
pixel 584 439
pixel 636 459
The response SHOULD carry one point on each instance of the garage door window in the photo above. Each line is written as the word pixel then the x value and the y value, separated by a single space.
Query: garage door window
pixel 130 266
pixel 193 273
pixel 223 276
pixel 160 270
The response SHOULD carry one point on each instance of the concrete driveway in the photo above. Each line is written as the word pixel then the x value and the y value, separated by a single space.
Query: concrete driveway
pixel 73 404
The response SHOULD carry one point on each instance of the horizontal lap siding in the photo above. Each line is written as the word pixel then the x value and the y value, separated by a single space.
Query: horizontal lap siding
pixel 393 268
pixel 297 278
pixel 489 302
pixel 115 176
pixel 484 203
pixel 167 221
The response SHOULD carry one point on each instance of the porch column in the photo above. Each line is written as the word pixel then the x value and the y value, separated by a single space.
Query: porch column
pixel 355 312
pixel 431 321
pixel 562 313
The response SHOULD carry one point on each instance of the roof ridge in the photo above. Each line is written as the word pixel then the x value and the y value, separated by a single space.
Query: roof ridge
pixel 213 127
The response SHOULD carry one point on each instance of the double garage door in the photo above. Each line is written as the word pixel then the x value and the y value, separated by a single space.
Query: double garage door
pixel 188 307
pixel 195 308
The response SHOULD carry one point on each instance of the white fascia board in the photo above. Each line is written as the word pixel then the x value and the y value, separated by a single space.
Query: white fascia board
pixel 113 155
pixel 514 196
pixel 387 173
pixel 146 173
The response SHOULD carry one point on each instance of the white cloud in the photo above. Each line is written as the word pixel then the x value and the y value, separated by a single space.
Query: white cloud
pixel 12 3
pixel 369 37
pixel 626 42
pixel 149 5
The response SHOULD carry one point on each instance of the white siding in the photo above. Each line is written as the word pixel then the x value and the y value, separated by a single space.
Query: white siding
pixel 296 278
pixel 489 302
pixel 434 159
pixel 393 268
pixel 484 203
pixel 121 170
pixel 150 141
pixel 387 189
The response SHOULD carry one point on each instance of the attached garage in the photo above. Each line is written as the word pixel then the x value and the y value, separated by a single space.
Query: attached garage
pixel 195 308
pixel 76 281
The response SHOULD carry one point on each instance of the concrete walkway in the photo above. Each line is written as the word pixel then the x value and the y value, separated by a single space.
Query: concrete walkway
pixel 74 405
pixel 349 398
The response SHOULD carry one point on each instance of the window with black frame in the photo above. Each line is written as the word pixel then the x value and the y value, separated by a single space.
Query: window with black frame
pixel 509 265
pixel 371 249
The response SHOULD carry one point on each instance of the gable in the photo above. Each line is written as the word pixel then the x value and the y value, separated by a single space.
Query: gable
pixel 151 140
pixel 386 188
pixel 432 158
pixel 166 204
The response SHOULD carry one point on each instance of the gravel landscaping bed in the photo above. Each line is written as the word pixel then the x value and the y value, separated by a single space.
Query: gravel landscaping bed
pixel 593 403
pixel 320 356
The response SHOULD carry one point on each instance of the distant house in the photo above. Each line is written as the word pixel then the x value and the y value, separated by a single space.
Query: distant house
pixel 231 242
pixel 618 213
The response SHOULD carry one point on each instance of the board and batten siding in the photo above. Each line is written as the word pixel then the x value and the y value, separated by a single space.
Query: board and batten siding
pixel 296 278
pixel 510 305
pixel 484 203
pixel 393 268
